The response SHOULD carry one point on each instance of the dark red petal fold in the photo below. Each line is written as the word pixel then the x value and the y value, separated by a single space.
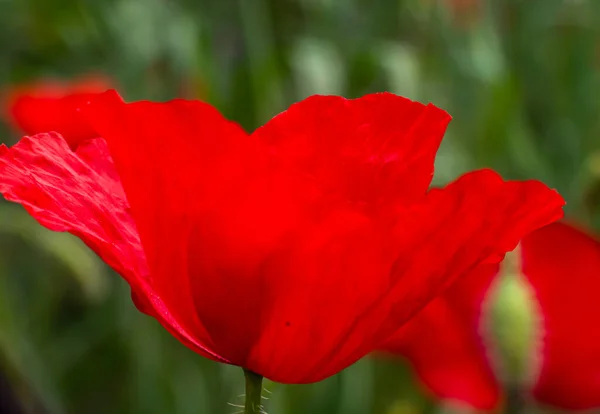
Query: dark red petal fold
pixel 364 149
pixel 474 220
pixel 444 346
pixel 51 106
pixel 79 192
pixel 562 263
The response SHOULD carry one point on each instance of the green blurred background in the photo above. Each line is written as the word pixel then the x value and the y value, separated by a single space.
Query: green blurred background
pixel 520 77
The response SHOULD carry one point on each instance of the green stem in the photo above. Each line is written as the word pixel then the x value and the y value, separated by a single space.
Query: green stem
pixel 253 393
pixel 515 401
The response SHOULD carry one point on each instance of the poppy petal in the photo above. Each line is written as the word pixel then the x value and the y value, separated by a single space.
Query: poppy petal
pixel 79 192
pixel 562 264
pixel 314 287
pixel 204 219
pixel 362 149
pixel 51 106
pixel 472 221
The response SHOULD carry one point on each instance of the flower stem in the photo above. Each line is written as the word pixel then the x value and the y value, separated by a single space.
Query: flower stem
pixel 253 393
pixel 515 400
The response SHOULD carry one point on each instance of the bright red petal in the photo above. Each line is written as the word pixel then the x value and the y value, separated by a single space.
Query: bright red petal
pixel 444 346
pixel 42 174
pixel 208 210
pixel 51 106
pixel 79 192
pixel 562 264
pixel 473 221
pixel 314 287
pixel 371 150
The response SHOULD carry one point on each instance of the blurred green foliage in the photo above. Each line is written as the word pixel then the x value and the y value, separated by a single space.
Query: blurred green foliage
pixel 520 78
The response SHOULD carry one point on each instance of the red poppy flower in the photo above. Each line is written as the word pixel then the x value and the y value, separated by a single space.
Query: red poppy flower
pixel 293 251
pixel 50 105
pixel 561 263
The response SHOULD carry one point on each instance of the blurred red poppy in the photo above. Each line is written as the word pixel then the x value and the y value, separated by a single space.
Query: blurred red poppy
pixel 463 6
pixel 461 12
pixel 293 251
pixel 444 346
pixel 50 105
pixel 444 343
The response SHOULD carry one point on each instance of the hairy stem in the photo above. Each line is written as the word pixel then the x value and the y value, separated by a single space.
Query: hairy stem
pixel 253 393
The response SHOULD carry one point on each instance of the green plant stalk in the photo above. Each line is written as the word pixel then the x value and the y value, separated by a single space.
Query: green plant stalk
pixel 515 400
pixel 253 393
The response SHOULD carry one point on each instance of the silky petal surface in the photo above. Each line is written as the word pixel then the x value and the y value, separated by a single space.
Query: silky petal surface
pixel 370 151
pixel 443 343
pixel 318 287
pixel 207 218
pixel 79 192
pixel 562 263
pixel 473 221
pixel 51 105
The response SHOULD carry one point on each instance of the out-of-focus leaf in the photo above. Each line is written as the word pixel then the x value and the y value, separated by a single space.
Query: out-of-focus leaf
pixel 81 262
pixel 355 397
pixel 318 68
pixel 21 361
pixel 402 67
